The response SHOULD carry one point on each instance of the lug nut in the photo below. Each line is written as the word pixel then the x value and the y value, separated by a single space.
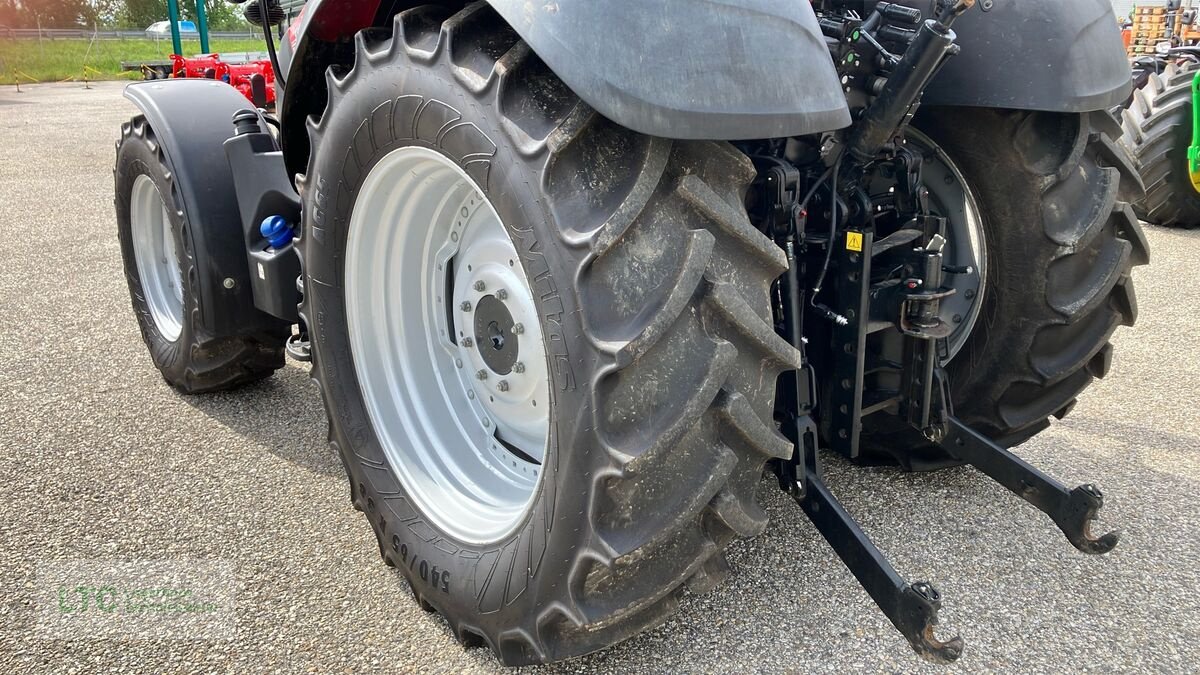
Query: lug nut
pixel 482 374
pixel 467 342
pixel 465 306
pixel 502 385
pixel 501 294
pixel 479 286
pixel 227 283
pixel 518 329
pixel 518 367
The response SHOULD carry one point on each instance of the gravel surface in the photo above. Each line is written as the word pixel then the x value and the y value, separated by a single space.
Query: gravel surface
pixel 99 459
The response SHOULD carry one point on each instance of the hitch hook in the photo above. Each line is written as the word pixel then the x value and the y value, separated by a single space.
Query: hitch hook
pixel 920 603
pixel 1075 520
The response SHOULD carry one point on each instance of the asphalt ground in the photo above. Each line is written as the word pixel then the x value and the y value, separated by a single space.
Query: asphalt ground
pixel 99 459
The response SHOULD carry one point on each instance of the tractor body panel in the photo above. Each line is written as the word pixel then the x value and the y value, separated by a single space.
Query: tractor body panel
pixel 1063 56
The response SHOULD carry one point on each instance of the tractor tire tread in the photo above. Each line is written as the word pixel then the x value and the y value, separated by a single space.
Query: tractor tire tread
pixel 688 355
pixel 1157 130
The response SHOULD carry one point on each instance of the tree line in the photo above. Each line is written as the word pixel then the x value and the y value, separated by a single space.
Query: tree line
pixel 113 14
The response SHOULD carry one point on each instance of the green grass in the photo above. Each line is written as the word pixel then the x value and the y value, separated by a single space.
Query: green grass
pixel 57 60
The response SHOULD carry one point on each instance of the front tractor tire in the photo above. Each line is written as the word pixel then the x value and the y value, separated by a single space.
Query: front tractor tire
pixel 161 268
pixel 571 506
pixel 1157 132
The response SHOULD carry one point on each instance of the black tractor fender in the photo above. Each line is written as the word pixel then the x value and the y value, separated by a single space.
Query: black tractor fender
pixel 737 69
pixel 1060 56
pixel 728 69
pixel 191 119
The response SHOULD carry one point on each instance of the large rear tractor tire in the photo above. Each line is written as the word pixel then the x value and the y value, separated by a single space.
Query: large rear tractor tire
pixel 466 214
pixel 1157 129
pixel 1060 251
pixel 161 270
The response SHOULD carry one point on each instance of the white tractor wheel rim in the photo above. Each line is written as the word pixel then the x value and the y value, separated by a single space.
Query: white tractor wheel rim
pixel 156 257
pixel 447 345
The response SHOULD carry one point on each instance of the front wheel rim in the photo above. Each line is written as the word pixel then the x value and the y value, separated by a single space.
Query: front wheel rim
pixel 156 257
pixel 447 345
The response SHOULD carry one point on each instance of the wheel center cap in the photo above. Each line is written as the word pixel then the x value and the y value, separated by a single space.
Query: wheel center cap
pixel 495 338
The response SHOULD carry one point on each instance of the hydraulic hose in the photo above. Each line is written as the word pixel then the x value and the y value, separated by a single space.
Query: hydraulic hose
pixel 266 26
pixel 903 88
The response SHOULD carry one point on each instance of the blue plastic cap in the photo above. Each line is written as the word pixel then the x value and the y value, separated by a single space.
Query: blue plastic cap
pixel 277 231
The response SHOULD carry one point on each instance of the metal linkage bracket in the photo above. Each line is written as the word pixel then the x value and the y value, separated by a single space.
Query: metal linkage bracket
pixel 1071 510
pixel 852 260
pixel 912 608
pixel 925 403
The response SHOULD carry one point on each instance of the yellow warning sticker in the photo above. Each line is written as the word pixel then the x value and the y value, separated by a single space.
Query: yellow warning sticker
pixel 854 241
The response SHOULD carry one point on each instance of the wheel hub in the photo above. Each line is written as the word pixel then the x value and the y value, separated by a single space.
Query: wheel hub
pixel 494 306
pixel 494 339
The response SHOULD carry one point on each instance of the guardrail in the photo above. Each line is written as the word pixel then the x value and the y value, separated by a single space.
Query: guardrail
pixel 87 33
